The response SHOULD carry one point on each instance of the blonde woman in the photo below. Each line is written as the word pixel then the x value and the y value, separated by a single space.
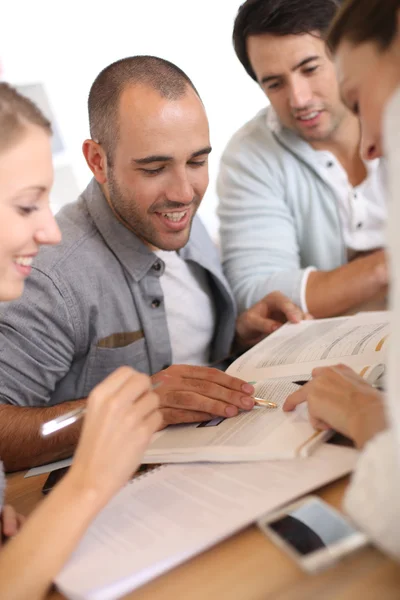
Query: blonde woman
pixel 365 41
pixel 122 412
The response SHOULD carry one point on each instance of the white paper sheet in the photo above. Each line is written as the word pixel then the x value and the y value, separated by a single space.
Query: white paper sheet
pixel 177 511
pixel 297 349
pixel 49 467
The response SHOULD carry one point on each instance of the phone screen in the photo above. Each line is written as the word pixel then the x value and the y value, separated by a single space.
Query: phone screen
pixel 311 526
pixel 53 478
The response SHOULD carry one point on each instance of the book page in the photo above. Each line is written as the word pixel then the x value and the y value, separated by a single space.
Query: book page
pixel 173 513
pixel 260 434
pixel 357 341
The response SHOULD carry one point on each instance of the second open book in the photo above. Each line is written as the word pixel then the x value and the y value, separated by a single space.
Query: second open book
pixel 288 355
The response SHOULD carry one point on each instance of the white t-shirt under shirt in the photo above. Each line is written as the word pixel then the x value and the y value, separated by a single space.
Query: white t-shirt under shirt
pixel 189 308
pixel 362 209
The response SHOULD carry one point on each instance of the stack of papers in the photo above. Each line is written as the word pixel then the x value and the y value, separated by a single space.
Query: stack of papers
pixel 177 511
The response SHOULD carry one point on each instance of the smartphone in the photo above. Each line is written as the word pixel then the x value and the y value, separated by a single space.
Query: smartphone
pixel 313 533
pixel 53 478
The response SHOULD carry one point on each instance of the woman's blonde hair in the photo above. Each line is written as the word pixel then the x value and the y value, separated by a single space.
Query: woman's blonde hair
pixel 16 112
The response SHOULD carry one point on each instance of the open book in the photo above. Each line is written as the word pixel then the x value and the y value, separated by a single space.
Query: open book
pixel 288 355
pixel 174 512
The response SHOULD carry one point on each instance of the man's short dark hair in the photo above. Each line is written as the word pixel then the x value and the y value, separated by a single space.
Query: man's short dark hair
pixel 163 76
pixel 279 17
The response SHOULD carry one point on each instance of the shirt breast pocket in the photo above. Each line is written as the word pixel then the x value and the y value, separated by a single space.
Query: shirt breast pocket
pixel 104 360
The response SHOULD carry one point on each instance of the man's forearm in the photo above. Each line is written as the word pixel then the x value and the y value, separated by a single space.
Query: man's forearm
pixel 21 444
pixel 331 293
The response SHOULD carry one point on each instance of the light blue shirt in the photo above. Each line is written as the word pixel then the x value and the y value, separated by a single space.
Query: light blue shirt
pixel 279 212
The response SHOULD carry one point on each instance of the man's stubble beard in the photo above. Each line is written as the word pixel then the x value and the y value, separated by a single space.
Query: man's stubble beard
pixel 126 209
pixel 336 121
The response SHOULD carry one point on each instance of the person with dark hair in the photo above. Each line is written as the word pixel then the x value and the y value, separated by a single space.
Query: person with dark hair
pixel 136 280
pixel 300 211
pixel 365 42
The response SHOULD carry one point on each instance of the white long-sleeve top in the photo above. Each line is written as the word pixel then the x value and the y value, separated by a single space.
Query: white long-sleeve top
pixel 373 497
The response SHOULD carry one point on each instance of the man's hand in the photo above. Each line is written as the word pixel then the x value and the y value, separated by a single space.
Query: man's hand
pixel 344 289
pixel 265 317
pixel 340 399
pixel 189 394
pixel 11 522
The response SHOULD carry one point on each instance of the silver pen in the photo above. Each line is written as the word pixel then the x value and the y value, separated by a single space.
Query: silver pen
pixel 71 417
pixel 377 377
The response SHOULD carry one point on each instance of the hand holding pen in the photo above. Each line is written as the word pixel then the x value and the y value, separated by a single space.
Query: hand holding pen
pixel 185 393
pixel 191 394
pixel 122 414
pixel 341 400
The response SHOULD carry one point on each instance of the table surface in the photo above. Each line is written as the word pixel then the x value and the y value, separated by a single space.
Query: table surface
pixel 248 566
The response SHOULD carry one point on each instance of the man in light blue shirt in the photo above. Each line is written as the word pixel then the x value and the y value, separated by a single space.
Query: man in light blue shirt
pixel 300 210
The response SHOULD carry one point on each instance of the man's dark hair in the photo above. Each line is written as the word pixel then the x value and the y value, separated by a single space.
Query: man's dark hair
pixel 163 76
pixel 279 17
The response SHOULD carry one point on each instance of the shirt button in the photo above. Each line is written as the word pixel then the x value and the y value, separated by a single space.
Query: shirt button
pixel 359 225
pixel 155 303
pixel 157 266
pixel 329 163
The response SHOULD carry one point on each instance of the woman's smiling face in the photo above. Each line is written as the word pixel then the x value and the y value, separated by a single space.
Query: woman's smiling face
pixel 26 221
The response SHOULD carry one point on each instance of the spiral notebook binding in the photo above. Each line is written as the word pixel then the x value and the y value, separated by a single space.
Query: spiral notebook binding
pixel 145 470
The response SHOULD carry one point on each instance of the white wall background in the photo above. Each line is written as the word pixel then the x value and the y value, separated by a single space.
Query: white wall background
pixel 66 44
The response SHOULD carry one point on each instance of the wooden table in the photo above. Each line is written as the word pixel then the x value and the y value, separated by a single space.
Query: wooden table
pixel 248 566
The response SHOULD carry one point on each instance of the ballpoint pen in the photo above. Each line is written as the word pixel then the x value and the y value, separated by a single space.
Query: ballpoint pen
pixel 71 417
pixel 314 441
pixel 266 403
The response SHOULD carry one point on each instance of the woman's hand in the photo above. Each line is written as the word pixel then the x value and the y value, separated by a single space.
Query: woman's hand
pixel 122 415
pixel 340 399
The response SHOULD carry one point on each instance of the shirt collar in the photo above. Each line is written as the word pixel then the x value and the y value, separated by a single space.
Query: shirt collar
pixel 135 256
pixel 276 127
pixel 273 122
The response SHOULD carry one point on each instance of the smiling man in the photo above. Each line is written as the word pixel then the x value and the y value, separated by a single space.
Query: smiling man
pixel 136 280
pixel 300 210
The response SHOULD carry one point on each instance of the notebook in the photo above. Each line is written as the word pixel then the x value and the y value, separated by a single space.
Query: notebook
pixel 174 512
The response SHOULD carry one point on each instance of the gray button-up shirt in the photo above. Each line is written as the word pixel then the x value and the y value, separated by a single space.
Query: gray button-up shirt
pixel 94 303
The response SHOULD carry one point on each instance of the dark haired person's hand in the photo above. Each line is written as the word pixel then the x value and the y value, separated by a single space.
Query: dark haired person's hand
pixel 265 317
